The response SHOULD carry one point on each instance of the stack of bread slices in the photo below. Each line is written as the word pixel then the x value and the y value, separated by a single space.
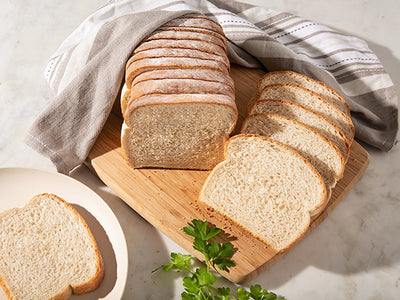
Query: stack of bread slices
pixel 178 101
pixel 290 153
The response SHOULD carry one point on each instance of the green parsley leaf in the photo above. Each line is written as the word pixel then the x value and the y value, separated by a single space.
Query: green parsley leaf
pixel 204 277
pixel 191 284
pixel 242 294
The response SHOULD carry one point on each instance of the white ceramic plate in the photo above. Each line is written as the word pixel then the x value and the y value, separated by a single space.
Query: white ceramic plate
pixel 19 185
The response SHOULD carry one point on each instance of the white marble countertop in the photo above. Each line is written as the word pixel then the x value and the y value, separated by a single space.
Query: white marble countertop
pixel 353 254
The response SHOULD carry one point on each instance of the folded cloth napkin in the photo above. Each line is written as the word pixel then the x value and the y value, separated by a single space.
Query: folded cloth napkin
pixel 87 70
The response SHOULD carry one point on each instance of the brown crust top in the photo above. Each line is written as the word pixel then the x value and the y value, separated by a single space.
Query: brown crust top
pixel 322 84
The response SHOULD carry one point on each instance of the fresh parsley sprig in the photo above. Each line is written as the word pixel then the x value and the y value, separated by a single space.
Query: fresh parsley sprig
pixel 198 284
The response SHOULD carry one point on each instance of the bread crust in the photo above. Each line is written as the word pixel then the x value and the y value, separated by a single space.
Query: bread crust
pixel 188 73
pixel 187 36
pixel 180 86
pixel 148 64
pixel 202 45
pixel 196 30
pixel 259 96
pixel 177 52
pixel 84 287
pixel 339 97
pixel 316 115
pixel 197 21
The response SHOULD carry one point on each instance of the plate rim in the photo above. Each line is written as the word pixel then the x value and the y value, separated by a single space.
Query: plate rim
pixel 121 281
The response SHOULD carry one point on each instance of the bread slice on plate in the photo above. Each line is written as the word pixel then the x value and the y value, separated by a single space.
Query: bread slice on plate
pixel 319 151
pixel 299 113
pixel 47 251
pixel 266 188
pixel 302 80
pixel 310 100
pixel 183 131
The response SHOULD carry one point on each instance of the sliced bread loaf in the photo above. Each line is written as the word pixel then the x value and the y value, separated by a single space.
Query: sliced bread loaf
pixel 266 188
pixel 180 108
pixel 297 112
pixel 312 101
pixel 47 251
pixel 321 152
pixel 299 79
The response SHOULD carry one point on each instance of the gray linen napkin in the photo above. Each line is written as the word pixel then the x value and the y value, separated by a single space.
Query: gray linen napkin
pixel 87 70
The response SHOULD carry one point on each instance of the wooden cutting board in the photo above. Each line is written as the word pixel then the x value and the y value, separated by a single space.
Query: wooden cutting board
pixel 167 198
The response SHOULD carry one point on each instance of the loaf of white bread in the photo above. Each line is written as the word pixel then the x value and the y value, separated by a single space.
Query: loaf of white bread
pixel 281 169
pixel 47 251
pixel 178 101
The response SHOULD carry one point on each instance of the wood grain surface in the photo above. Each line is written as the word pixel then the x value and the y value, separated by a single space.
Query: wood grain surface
pixel 168 198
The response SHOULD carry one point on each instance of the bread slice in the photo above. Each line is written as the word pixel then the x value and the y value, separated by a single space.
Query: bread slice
pixel 177 52
pixel 47 251
pixel 180 86
pixel 312 101
pixel 181 44
pixel 187 73
pixel 266 188
pixel 187 35
pixel 299 79
pixel 195 21
pixel 319 151
pixel 195 30
pixel 149 64
pixel 182 131
pixel 125 98
pixel 299 113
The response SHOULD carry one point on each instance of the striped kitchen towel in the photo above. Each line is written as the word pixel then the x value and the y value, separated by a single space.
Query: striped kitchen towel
pixel 87 70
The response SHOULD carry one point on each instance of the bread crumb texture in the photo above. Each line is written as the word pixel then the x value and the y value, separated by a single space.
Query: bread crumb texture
pixel 46 250
pixel 265 187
